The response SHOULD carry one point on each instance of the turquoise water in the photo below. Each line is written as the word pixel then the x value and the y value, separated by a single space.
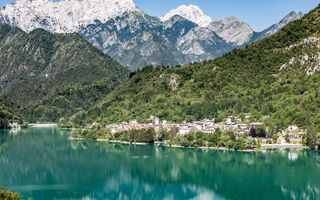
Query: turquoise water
pixel 44 164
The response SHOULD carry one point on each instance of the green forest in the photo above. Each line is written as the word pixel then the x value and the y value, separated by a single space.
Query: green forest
pixel 8 114
pixel 53 75
pixel 275 79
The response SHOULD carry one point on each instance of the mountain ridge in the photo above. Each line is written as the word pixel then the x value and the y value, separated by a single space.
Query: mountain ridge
pixel 292 16
pixel 118 28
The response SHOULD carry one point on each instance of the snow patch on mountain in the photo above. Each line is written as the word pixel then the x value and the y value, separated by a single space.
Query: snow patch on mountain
pixel 191 12
pixel 62 17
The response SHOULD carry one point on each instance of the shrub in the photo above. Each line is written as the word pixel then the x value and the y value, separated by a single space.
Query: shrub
pixel 8 195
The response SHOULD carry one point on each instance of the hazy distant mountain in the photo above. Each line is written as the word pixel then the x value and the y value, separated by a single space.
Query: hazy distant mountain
pixel 135 39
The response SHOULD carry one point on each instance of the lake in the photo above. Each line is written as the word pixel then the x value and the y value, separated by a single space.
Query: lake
pixel 43 164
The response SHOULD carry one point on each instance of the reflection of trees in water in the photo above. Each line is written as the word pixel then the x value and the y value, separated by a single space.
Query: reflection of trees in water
pixel 6 140
pixel 89 168
pixel 125 186
pixel 233 175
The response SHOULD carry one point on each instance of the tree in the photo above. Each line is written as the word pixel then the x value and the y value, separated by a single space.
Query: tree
pixel 239 144
pixel 225 140
pixel 312 137
pixel 272 130
pixel 63 123
pixel 253 132
pixel 147 136
pixel 186 143
pixel 173 133
pixel 261 131
pixel 287 138
pixel 74 133
pixel 190 138
pixel 275 138
pixel 84 133
pixel 161 134
pixel 4 124
pixel 213 139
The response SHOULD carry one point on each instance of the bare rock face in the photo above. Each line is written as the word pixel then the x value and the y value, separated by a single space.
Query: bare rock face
pixel 232 30
pixel 64 16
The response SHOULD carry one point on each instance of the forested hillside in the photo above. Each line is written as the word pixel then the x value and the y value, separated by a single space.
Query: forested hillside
pixel 53 75
pixel 277 80
pixel 8 114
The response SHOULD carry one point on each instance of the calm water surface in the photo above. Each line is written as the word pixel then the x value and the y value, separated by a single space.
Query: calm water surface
pixel 44 164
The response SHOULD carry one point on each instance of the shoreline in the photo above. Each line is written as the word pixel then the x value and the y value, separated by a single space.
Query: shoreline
pixel 42 125
pixel 282 146
pixel 110 141
pixel 263 146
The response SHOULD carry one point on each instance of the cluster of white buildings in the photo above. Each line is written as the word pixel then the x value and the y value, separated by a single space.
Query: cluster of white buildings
pixel 233 123
pixel 294 132
pixel 207 126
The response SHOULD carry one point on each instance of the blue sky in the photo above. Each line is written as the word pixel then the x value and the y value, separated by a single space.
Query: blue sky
pixel 259 14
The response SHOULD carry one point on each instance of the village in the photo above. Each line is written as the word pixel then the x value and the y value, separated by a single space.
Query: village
pixel 232 123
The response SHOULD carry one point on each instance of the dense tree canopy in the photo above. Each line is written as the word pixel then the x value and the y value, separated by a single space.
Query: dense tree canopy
pixel 49 76
pixel 8 114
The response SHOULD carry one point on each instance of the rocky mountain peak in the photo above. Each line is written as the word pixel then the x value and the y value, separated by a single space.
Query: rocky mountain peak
pixel 64 16
pixel 191 12
pixel 292 16
pixel 232 30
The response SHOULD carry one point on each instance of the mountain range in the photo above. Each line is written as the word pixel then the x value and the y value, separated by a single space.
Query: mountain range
pixel 275 79
pixel 51 74
pixel 135 39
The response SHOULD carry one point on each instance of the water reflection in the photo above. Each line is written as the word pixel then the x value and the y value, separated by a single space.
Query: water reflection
pixel 124 186
pixel 44 164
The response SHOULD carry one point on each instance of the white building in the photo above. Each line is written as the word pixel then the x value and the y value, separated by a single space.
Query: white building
pixel 229 120
pixel 242 126
pixel 255 125
pixel 14 125
pixel 184 130
pixel 207 122
pixel 134 121
pixel 209 130
pixel 293 128
pixel 157 120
